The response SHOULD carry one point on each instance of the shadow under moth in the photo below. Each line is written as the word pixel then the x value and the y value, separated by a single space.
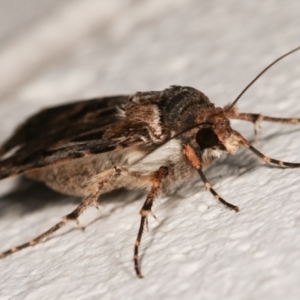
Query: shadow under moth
pixel 148 140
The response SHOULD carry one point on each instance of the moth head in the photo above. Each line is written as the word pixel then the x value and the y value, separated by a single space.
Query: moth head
pixel 223 139
pixel 209 142
pixel 215 132
pixel 215 137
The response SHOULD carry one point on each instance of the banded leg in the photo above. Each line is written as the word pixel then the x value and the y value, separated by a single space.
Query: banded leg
pixel 156 179
pixel 195 161
pixel 273 161
pixel 98 185
pixel 215 194
pixel 73 216
pixel 257 118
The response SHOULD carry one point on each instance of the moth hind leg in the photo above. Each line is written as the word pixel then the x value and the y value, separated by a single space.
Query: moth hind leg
pixel 99 184
pixel 73 216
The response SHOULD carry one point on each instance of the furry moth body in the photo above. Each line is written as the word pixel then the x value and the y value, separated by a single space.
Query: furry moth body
pixel 149 140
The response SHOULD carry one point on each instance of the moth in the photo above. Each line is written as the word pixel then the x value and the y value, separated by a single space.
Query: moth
pixel 148 140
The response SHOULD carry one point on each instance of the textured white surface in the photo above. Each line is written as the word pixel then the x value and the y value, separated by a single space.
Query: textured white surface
pixel 200 250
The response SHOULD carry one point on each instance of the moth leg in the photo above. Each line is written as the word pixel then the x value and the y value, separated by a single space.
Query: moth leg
pixel 156 178
pixel 215 194
pixel 99 184
pixel 73 216
pixel 254 118
pixel 195 161
pixel 273 161
pixel 257 118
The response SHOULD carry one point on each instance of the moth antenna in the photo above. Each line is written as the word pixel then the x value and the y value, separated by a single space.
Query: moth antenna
pixel 259 75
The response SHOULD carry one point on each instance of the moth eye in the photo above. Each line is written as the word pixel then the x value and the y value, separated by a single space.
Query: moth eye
pixel 206 138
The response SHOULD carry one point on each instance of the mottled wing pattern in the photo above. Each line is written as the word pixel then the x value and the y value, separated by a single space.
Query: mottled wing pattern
pixel 61 133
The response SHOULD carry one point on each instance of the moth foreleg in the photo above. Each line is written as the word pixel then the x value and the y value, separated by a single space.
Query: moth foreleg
pixel 156 179
pixel 257 118
pixel 254 118
pixel 273 161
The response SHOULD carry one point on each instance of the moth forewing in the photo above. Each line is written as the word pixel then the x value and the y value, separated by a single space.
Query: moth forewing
pixel 149 140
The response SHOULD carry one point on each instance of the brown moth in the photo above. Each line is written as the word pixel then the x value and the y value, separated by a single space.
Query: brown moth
pixel 149 140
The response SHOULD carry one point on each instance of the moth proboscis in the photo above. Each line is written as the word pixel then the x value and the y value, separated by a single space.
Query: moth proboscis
pixel 148 140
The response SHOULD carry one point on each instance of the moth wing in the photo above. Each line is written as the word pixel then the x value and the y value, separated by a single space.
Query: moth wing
pixel 62 133
pixel 63 123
